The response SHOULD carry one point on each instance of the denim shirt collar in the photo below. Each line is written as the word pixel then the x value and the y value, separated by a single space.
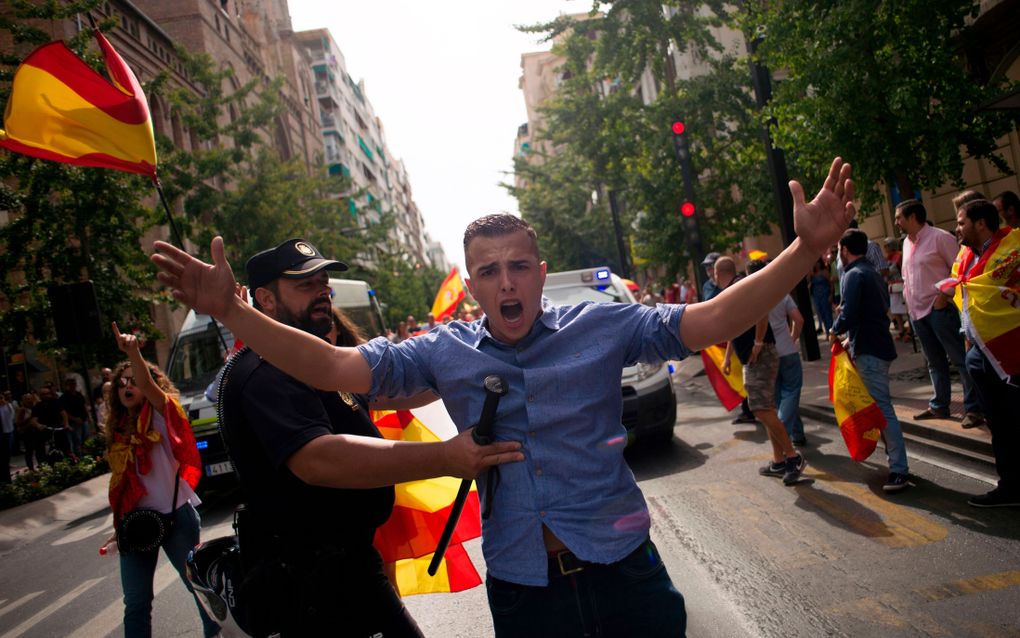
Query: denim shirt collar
pixel 548 318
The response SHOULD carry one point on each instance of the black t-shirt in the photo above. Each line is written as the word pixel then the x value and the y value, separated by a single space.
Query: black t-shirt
pixel 47 411
pixel 269 417
pixel 743 344
pixel 74 404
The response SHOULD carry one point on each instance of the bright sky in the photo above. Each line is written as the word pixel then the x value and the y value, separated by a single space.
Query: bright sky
pixel 442 76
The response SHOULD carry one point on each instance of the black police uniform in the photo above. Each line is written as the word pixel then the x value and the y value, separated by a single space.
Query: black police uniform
pixel 311 568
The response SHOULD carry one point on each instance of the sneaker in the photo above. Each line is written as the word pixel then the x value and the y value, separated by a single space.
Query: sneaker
pixel 895 483
pixel 972 420
pixel 995 498
pixel 773 469
pixel 932 413
pixel 743 418
pixel 794 466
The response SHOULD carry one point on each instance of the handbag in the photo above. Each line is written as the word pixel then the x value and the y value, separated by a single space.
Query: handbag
pixel 143 529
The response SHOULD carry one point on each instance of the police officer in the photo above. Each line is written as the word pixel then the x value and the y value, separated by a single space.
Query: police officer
pixel 316 475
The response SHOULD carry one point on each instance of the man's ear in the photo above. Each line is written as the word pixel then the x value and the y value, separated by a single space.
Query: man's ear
pixel 266 299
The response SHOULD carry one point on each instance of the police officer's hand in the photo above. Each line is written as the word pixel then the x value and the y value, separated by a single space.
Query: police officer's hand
pixel 208 288
pixel 466 459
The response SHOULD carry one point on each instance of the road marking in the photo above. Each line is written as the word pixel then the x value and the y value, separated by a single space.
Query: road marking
pixel 967 586
pixel 51 608
pixel 19 602
pixel 112 617
pixel 876 518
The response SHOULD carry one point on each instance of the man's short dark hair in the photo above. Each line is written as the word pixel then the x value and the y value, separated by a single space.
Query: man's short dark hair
pixel 913 208
pixel 273 286
pixel 1009 199
pixel 982 209
pixel 855 241
pixel 964 197
pixel 498 225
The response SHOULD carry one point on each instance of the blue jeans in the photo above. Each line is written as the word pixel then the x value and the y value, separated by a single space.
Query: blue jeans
pixel 632 597
pixel 999 399
pixel 788 385
pixel 824 307
pixel 138 570
pixel 875 375
pixel 941 342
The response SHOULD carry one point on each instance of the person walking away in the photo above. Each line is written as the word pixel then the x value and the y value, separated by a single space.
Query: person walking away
pixel 821 294
pixel 928 257
pixel 991 252
pixel 864 318
pixel 786 323
pixel 756 349
pixel 725 270
pixel 154 463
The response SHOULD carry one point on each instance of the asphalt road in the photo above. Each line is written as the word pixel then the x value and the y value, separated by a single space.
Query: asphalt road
pixel 832 556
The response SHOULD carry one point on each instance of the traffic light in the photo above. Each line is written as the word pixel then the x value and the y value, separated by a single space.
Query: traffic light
pixel 680 141
pixel 687 209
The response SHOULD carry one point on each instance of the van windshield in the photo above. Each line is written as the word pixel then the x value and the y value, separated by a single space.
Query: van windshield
pixel 573 295
pixel 196 359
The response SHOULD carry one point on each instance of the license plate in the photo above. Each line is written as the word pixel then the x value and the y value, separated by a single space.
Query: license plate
pixel 218 468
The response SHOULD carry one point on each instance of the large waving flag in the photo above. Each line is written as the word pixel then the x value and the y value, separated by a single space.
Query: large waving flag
pixel 450 294
pixel 61 109
pixel 728 387
pixel 860 420
pixel 993 298
pixel 408 539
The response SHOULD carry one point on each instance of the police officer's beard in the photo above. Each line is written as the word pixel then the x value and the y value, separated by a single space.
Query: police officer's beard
pixel 304 320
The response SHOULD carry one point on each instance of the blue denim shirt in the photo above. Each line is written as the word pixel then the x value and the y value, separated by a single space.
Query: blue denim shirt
pixel 864 312
pixel 564 405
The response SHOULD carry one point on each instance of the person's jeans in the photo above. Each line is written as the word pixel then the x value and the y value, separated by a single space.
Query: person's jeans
pixel 941 342
pixel 138 570
pixel 1000 400
pixel 824 308
pixel 788 385
pixel 875 375
pixel 633 597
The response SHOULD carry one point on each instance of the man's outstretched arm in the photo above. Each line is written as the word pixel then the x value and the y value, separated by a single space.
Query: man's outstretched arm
pixel 209 289
pixel 819 224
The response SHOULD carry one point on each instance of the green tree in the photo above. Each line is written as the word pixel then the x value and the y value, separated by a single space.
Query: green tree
pixel 883 84
pixel 67 224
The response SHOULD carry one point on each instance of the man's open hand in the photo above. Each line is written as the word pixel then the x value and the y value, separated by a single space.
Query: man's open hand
pixel 209 289
pixel 821 222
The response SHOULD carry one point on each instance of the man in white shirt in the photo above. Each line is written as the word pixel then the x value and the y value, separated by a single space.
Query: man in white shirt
pixel 787 322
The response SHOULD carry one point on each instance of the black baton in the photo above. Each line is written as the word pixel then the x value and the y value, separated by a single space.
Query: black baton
pixel 495 388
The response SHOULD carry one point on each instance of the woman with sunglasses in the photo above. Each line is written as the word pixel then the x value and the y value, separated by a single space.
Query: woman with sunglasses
pixel 154 464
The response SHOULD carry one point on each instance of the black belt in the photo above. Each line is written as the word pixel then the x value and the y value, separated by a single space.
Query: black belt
pixel 565 563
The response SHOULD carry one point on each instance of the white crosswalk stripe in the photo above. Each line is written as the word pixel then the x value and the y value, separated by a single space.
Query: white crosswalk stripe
pixel 17 603
pixel 51 608
pixel 110 618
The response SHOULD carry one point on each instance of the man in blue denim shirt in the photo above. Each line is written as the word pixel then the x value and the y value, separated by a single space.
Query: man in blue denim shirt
pixel 567 546
pixel 864 316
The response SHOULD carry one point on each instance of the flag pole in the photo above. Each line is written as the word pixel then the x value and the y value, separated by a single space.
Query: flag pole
pixel 169 216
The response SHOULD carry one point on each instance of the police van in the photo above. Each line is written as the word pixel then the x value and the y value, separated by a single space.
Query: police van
pixel 649 401
pixel 200 349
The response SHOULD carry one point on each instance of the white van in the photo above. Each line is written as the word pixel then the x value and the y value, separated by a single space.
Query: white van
pixel 200 348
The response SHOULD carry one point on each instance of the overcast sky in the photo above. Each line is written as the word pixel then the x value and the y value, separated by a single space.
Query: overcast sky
pixel 442 76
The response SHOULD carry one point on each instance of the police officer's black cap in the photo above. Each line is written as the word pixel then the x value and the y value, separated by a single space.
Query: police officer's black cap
pixel 293 259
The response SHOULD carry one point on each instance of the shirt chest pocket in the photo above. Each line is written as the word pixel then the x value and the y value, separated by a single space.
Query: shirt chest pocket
pixel 577 376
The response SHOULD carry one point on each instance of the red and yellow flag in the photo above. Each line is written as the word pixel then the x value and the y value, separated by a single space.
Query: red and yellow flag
pixel 61 109
pixel 409 538
pixel 992 285
pixel 860 420
pixel 450 294
pixel 728 387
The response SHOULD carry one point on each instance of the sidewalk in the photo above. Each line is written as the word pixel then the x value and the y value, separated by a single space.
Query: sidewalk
pixel 910 388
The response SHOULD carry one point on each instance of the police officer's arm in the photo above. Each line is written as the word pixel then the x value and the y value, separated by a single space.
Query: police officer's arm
pixel 350 461
pixel 210 289
pixel 819 224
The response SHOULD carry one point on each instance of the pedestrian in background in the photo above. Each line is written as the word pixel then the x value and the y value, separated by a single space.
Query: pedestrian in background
pixel 821 294
pixel 6 437
pixel 897 305
pixel 1008 205
pixel 32 433
pixel 725 270
pixel 928 256
pixel 153 463
pixel 711 287
pixel 864 318
pixel 977 228
pixel 786 323
pixel 55 427
pixel 77 409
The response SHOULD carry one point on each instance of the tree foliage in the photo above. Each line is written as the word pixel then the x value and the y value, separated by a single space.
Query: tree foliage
pixel 884 84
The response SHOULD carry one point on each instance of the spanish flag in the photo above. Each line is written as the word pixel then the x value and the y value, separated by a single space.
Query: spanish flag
pixel 860 420
pixel 729 388
pixel 450 294
pixel 61 109
pixel 409 538
pixel 992 301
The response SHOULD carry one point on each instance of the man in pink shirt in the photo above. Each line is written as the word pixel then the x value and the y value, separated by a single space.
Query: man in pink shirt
pixel 928 256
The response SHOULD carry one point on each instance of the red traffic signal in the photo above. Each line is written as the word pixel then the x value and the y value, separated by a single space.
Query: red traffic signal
pixel 687 209
pixel 678 128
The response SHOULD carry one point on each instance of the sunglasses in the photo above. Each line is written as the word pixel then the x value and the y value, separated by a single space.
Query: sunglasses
pixel 126 381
